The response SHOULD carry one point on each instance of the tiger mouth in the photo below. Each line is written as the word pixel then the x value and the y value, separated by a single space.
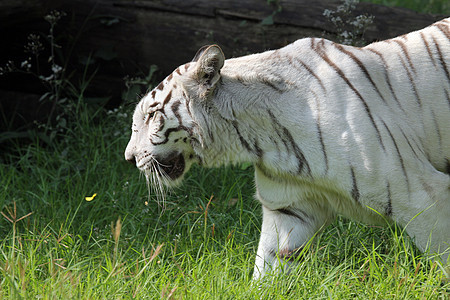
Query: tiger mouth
pixel 172 166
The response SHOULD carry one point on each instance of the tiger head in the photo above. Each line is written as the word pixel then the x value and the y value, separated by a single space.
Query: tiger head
pixel 166 136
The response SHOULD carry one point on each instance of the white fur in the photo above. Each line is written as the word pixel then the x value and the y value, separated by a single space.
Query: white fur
pixel 374 146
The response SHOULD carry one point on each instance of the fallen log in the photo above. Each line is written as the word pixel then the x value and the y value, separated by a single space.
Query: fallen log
pixel 168 32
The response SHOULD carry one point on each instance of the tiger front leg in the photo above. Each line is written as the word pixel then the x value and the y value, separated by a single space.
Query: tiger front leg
pixel 284 233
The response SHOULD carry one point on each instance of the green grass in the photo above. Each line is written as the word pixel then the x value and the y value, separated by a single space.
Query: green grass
pixel 71 248
pixel 200 244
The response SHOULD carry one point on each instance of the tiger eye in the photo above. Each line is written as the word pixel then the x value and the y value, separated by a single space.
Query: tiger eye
pixel 149 117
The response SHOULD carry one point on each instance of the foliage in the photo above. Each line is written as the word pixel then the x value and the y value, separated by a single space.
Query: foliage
pixel 62 97
pixel 349 29
pixel 277 9
pixel 423 6
pixel 136 85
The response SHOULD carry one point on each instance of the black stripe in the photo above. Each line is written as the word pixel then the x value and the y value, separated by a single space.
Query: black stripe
pixel 321 44
pixel 204 115
pixel 322 54
pixel 448 97
pixel 285 134
pixel 409 143
pixel 319 80
pixel 404 37
pixel 261 80
pixel 292 213
pixel 267 173
pixel 312 40
pixel 167 99
pixel 257 150
pixel 438 131
pixel 448 167
pixel 166 136
pixel 406 53
pixel 160 86
pixel 441 59
pixel 411 81
pixel 270 84
pixel 188 102
pixel 388 210
pixel 355 190
pixel 386 76
pixel 148 117
pixel 241 138
pixel 322 145
pixel 279 134
pixel 319 130
pixel 444 30
pixel 298 153
pixel 427 46
pixel 169 131
pixel 241 80
pixel 175 106
pixel 362 67
pixel 161 123
pixel 402 164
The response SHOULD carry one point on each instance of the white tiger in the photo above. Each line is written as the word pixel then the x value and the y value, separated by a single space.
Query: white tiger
pixel 330 129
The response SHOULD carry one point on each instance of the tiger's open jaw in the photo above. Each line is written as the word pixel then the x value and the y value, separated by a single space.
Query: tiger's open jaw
pixel 172 166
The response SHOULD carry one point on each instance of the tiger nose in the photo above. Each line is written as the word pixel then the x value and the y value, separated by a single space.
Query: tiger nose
pixel 130 157
pixel 132 160
pixel 130 153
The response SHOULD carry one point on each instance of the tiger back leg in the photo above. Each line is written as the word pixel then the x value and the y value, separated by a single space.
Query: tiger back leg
pixel 426 214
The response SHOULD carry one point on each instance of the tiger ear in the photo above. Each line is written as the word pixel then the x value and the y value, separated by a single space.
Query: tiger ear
pixel 200 52
pixel 210 60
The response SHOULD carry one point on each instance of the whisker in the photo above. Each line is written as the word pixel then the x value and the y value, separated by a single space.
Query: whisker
pixel 159 184
pixel 155 178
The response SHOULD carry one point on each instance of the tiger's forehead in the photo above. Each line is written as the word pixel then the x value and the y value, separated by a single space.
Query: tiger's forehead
pixel 162 93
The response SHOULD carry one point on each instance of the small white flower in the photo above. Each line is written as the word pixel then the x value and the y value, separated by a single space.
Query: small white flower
pixel 56 69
